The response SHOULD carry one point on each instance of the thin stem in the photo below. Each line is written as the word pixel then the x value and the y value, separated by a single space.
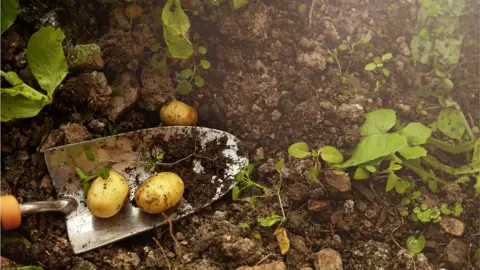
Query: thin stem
pixel 310 14
pixel 163 253
pixel 450 148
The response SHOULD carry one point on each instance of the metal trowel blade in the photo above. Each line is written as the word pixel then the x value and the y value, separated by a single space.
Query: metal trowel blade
pixel 87 232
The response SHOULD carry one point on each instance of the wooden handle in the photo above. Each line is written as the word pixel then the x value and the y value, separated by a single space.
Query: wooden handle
pixel 10 215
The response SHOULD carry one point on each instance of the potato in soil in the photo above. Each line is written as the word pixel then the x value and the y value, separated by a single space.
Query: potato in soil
pixel 177 113
pixel 159 192
pixel 106 197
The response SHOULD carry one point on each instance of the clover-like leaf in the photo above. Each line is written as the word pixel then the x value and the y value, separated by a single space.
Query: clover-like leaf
pixel 299 150
pixel 331 154
pixel 416 245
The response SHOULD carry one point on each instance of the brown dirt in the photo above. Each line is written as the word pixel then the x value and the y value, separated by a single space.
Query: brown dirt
pixel 271 84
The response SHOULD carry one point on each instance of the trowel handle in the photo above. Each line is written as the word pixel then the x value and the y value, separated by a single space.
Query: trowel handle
pixel 11 211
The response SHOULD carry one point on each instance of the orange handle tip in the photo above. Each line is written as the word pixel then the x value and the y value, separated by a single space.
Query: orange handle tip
pixel 10 215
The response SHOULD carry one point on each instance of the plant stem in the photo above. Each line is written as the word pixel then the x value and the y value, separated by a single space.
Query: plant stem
pixel 450 148
pixel 420 171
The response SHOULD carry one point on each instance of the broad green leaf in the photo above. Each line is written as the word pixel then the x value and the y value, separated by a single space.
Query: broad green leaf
pixel 378 122
pixel 19 107
pixel 416 245
pixel 158 61
pixel 205 64
pixel 412 152
pixel 235 193
pixel 402 185
pixel 370 168
pixel 331 154
pixel 279 165
pixel 421 46
pixel 416 195
pixel 199 82
pixel 372 147
pixel 184 87
pixel 405 201
pixel 377 61
pixel 361 174
pixel 386 57
pixel 176 27
pixel 155 47
pixel 416 133
pixel 9 13
pixel 202 50
pixel 186 73
pixel 386 72
pixel 299 150
pixel 370 67
pixel 46 58
pixel 21 88
pixel 392 181
pixel 433 185
pixel 451 123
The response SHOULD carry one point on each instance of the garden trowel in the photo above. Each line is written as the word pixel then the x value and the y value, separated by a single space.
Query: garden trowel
pixel 126 153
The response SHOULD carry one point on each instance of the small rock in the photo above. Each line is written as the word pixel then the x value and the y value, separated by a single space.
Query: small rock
pixel 74 132
pixel 55 138
pixel 404 49
pixel 82 57
pixel 328 259
pixel 220 215
pixel 118 19
pixel 456 253
pixel 408 261
pixel 404 108
pixel 338 180
pixel 239 250
pixel 401 40
pixel 81 264
pixel 453 193
pixel 316 60
pixel 370 213
pixel 351 113
pixel 298 243
pixel 452 225
pixel 317 206
pixel 96 125
pixel 276 115
pixel 124 260
pixel 157 88
pixel 259 65
pixel 126 94
pixel 278 265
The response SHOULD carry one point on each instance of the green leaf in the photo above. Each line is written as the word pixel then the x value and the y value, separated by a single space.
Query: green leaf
pixel 366 38
pixel 245 225
pixel 416 133
pixel 331 154
pixel 412 152
pixel 29 267
pixel 176 27
pixel 405 201
pixel 184 87
pixel 361 174
pixel 373 147
pixel 314 173
pixel 477 185
pixel 279 165
pixel 392 181
pixel 202 50
pixel 7 240
pixel 302 8
pixel 156 62
pixel 433 185
pixel 377 61
pixel 370 168
pixel 204 64
pixel 386 57
pixel 386 72
pixel 249 169
pixel 269 221
pixel 199 82
pixel 378 122
pixel 89 153
pixel 186 73
pixel 451 123
pixel 402 185
pixel 448 83
pixel 415 245
pixel 9 13
pixel 370 67
pixel 235 193
pixel 155 47
pixel 416 195
pixel 299 150
pixel 103 172
pixel 46 58
pixel 342 47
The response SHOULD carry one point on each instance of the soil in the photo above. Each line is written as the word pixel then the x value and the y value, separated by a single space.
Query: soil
pixel 271 84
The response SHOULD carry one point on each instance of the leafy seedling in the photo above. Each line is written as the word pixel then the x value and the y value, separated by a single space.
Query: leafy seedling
pixel 378 63
pixel 416 245
pixel 244 181
pixel 269 221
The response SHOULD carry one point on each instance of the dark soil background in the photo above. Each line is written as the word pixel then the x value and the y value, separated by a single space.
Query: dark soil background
pixel 271 84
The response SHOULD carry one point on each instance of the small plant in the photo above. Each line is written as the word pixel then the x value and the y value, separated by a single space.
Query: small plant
pixel 88 179
pixel 189 76
pixel 176 27
pixel 378 63
pixel 416 245
pixel 270 220
pixel 328 153
pixel 244 181
pixel 48 64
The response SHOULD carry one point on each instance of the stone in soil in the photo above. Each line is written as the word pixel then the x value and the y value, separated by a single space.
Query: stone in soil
pixel 351 113
pixel 328 259
pixel 243 249
pixel 156 88
pixel 408 261
pixel 126 94
pixel 452 226
pixel 456 253
pixel 85 57
pixel 453 193
pixel 278 265
pixel 74 132
pixel 123 260
pixel 338 180
pixel 317 206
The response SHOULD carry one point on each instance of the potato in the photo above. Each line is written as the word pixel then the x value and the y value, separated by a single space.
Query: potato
pixel 177 113
pixel 106 197
pixel 159 192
